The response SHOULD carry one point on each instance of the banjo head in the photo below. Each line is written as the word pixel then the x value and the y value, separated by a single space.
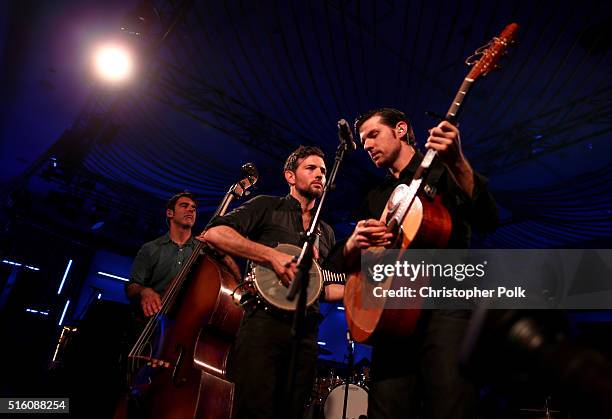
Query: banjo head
pixel 274 292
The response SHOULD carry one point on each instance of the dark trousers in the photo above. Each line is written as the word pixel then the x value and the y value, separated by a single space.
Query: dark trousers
pixel 419 377
pixel 259 365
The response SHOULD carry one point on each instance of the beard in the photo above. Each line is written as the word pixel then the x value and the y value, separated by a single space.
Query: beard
pixel 310 192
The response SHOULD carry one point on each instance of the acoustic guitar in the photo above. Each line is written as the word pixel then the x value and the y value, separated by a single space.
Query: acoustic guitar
pixel 413 219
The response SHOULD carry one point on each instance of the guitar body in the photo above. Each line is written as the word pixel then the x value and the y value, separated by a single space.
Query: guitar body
pixel 426 224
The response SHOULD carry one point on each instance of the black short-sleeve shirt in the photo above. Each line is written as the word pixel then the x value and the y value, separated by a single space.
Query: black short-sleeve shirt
pixel 272 220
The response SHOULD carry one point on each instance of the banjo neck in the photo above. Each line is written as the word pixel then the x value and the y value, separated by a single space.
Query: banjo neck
pixel 330 277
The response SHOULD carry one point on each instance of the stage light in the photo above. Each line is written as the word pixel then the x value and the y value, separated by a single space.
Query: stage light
pixel 59 290
pixel 113 63
pixel 41 312
pixel 61 320
pixel 17 264
pixel 10 262
pixel 113 276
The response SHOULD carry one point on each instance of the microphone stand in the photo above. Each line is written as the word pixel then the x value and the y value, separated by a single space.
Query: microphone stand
pixel 349 376
pixel 299 286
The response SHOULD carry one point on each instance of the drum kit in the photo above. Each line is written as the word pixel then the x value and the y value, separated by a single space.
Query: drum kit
pixel 336 383
pixel 327 400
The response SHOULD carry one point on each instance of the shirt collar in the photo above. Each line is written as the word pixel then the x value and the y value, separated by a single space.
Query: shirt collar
pixel 294 204
pixel 410 169
pixel 166 239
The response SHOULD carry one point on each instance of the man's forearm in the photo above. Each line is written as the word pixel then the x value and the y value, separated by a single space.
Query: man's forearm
pixel 133 291
pixel 228 240
pixel 333 292
pixel 464 175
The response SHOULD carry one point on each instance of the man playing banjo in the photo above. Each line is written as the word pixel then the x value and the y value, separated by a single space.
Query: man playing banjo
pixel 262 350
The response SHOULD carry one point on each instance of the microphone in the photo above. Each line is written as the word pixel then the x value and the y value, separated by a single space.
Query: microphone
pixel 345 135
pixel 251 173
pixel 249 169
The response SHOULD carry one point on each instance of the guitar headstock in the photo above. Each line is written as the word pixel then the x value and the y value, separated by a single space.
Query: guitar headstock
pixel 250 175
pixel 492 52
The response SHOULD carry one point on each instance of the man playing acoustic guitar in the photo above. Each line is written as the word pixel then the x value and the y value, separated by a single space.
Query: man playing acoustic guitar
pixel 419 377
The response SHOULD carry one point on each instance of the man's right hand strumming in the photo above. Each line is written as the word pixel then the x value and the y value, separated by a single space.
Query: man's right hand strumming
pixel 283 264
pixel 367 233
pixel 228 240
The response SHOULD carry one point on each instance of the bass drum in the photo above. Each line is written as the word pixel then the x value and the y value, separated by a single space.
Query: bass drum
pixel 356 405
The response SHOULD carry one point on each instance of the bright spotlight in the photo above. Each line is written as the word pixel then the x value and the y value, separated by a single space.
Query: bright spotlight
pixel 113 63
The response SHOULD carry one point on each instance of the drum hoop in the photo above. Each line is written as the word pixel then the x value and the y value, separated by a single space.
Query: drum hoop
pixel 358 388
pixel 342 385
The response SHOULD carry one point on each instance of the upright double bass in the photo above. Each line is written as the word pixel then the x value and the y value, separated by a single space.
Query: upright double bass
pixel 171 362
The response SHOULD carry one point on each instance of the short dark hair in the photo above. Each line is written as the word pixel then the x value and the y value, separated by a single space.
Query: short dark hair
pixel 301 152
pixel 171 204
pixel 390 117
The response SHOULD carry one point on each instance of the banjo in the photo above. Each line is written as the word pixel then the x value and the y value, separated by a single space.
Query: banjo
pixel 274 293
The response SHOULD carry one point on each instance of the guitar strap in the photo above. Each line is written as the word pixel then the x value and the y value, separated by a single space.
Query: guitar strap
pixel 432 178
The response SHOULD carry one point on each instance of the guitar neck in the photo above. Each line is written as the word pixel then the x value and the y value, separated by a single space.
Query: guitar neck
pixel 451 116
pixel 455 108
pixel 330 277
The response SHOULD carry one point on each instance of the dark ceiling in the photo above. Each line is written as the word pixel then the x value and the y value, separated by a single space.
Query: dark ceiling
pixel 222 83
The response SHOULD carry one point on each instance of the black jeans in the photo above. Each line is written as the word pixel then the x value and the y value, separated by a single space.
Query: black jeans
pixel 259 365
pixel 419 377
